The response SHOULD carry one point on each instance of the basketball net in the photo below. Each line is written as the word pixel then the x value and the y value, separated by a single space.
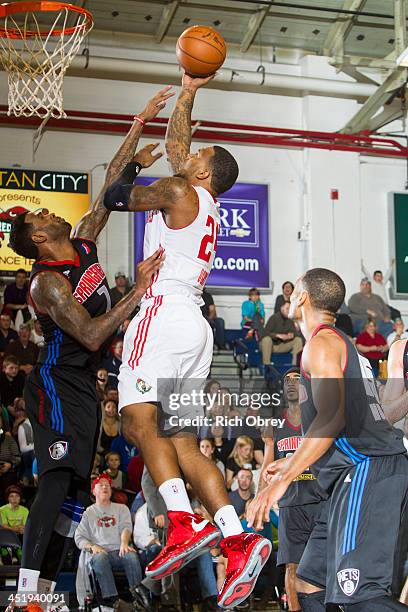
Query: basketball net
pixel 36 64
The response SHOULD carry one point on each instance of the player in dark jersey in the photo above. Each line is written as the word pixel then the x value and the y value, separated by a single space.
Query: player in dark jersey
pixel 395 397
pixel 300 506
pixel 395 405
pixel 70 294
pixel 357 456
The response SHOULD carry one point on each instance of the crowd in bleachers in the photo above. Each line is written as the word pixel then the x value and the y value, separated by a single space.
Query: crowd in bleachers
pixel 238 455
pixel 367 318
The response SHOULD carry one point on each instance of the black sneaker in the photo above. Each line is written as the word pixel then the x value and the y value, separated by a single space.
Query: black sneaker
pixel 210 604
pixel 141 598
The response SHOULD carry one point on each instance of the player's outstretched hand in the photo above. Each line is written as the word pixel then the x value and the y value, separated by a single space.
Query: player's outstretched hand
pixel 274 468
pixel 146 269
pixel 145 157
pixel 156 104
pixel 260 507
pixel 190 82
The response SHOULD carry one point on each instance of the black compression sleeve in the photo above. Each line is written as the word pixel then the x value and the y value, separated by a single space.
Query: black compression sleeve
pixel 118 194
pixel 52 490
pixel 117 197
pixel 130 172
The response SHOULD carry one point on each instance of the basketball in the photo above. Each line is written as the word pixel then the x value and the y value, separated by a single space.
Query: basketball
pixel 201 50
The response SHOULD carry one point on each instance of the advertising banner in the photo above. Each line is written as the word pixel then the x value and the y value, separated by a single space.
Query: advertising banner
pixel 242 257
pixel 64 193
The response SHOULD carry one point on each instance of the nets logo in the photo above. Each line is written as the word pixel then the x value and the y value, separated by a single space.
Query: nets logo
pixel 348 580
pixel 58 450
pixel 6 219
pixel 239 223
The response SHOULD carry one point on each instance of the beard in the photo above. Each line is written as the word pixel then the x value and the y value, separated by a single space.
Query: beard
pixel 66 228
pixel 60 231
pixel 68 231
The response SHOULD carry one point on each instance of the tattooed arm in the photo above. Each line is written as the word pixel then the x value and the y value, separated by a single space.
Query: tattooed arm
pixel 52 294
pixel 160 195
pixel 178 135
pixel 93 222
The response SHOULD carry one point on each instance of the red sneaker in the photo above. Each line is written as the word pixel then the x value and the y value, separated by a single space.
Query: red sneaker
pixel 246 555
pixel 188 537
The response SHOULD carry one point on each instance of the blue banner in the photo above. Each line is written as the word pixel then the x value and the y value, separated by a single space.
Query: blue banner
pixel 242 257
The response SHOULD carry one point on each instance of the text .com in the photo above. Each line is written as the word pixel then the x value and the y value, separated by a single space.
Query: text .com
pixel 236 263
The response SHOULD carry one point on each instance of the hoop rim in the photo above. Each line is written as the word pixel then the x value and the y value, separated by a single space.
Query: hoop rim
pixel 13 8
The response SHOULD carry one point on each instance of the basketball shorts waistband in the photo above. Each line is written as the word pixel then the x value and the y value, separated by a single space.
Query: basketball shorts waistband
pixel 170 299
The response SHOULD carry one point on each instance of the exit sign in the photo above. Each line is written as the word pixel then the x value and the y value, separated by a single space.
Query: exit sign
pixel 398 235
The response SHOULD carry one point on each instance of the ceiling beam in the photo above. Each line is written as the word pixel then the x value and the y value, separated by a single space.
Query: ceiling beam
pixel 255 23
pixel 358 76
pixel 369 117
pixel 358 61
pixel 166 18
pixel 391 112
pixel 400 29
pixel 363 119
pixel 341 28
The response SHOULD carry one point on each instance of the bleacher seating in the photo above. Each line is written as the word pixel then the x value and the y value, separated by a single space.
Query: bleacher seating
pixel 281 361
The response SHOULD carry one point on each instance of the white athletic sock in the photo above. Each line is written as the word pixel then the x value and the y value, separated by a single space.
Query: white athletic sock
pixel 28 580
pixel 175 495
pixel 227 520
pixel 46 586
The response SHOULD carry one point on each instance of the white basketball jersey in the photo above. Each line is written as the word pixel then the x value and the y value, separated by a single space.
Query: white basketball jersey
pixel 189 251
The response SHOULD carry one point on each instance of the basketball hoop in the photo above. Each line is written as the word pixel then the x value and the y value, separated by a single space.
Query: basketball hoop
pixel 37 56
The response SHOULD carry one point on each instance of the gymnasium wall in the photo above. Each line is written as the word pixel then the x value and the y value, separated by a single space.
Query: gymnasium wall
pixel 299 181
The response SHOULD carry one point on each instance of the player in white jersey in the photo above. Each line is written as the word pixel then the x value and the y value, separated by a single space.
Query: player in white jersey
pixel 169 338
pixel 168 348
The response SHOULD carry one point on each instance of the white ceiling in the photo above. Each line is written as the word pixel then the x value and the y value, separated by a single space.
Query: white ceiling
pixel 284 27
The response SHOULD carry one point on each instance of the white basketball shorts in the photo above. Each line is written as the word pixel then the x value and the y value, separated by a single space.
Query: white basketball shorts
pixel 169 339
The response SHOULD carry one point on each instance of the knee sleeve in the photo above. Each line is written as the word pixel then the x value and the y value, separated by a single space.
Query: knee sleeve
pixel 52 491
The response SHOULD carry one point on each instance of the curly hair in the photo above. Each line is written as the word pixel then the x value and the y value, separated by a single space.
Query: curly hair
pixel 20 238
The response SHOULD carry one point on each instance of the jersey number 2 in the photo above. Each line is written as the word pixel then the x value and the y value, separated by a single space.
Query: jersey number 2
pixel 209 242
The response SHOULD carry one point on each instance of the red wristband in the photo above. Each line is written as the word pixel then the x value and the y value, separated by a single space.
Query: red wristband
pixel 139 119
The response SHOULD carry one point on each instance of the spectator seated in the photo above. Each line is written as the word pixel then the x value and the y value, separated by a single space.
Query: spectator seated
pixel 24 350
pixel 16 296
pixel 104 534
pixel 253 314
pixel 217 323
pixel 365 306
pixel 279 336
pixel 113 362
